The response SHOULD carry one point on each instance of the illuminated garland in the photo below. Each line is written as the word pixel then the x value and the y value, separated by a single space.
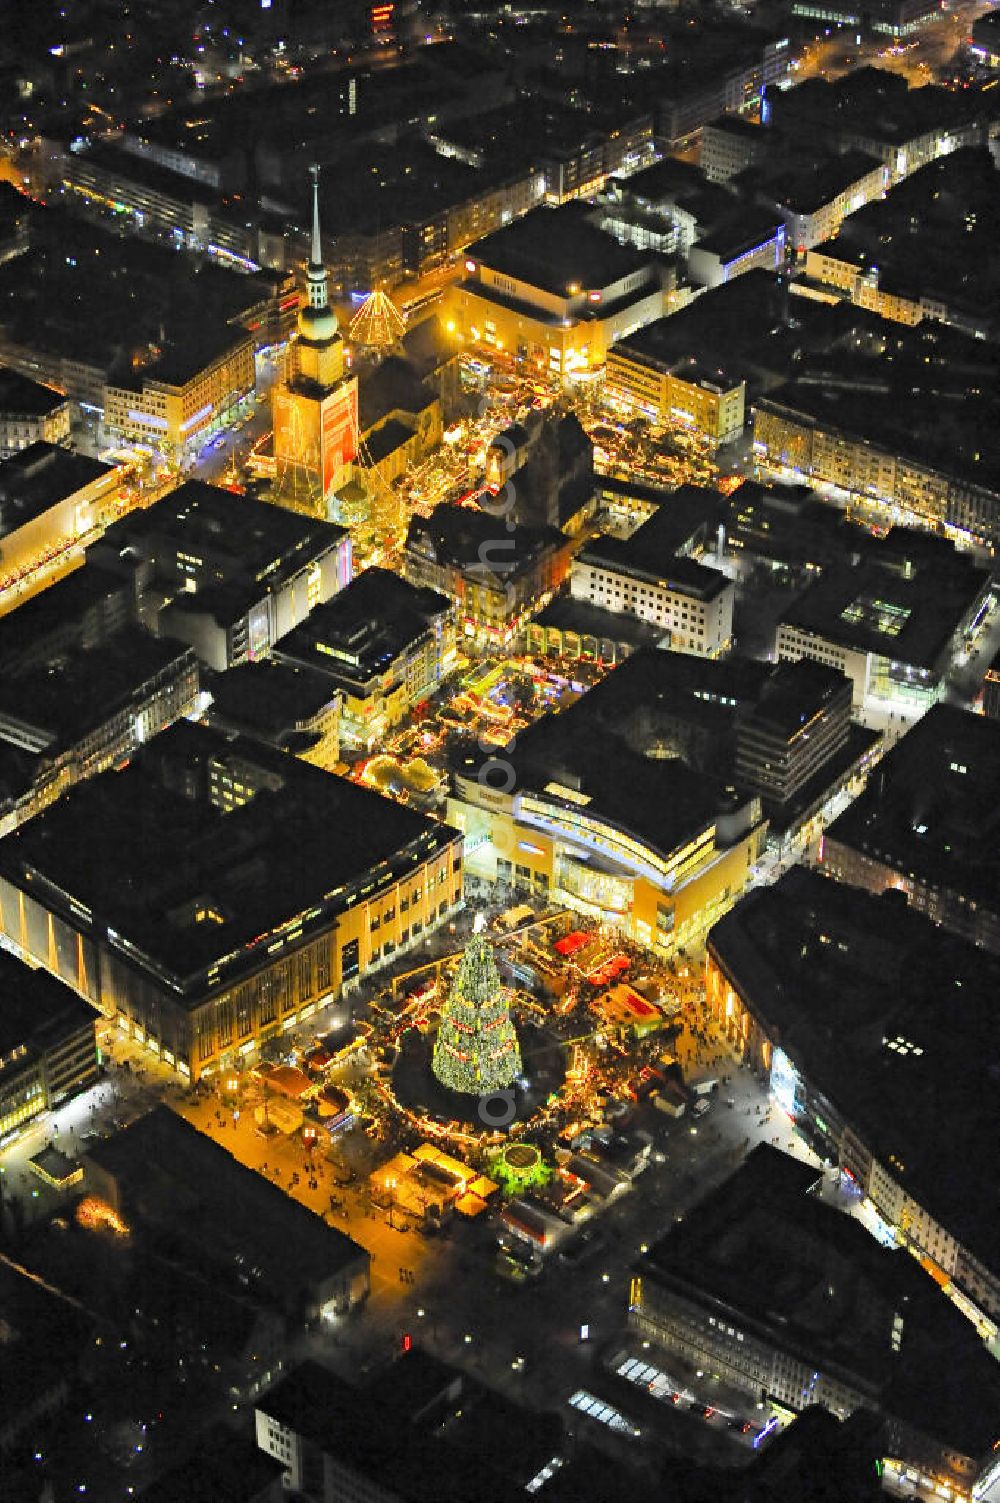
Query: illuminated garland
pixel 476 1048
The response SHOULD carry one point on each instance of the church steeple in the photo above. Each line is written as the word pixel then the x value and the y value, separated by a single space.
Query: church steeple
pixel 316 271
pixel 321 356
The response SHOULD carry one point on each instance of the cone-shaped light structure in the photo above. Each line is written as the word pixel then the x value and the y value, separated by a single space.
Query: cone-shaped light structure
pixel 476 1049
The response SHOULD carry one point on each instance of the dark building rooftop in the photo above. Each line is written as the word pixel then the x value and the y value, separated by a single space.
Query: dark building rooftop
pixel 36 1009
pixel 909 615
pixel 38 477
pixel 394 386
pixel 80 609
pixel 814 1282
pixel 224 1468
pixel 146 859
pixel 354 638
pixel 856 986
pixel 53 706
pixel 269 699
pixel 22 397
pixel 219 1212
pixel 555 249
pixel 242 538
pixel 456 536
pixel 655 551
pixel 421 1427
pixel 933 807
pixel 744 232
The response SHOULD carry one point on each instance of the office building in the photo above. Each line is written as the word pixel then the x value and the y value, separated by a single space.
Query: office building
pixel 48 1044
pixel 672 390
pixel 234 1220
pixel 750 239
pixel 224 573
pixel 294 709
pixel 814 202
pixel 798 727
pixel 382 645
pixel 926 823
pixel 216 893
pixel 894 623
pixel 80 714
pixel 890 18
pixel 497 576
pixel 835 996
pixel 88 607
pixel 795 1303
pixel 597 809
pixel 419 1432
pixel 184 392
pixel 913 455
pixel 945 274
pixel 644 576
pixel 904 125
pixel 29 414
pixel 555 291
pixel 729 145
pixel 718 67
pixel 51 499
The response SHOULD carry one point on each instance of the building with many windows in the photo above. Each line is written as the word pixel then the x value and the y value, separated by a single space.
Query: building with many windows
pixel 646 577
pixel 51 498
pixel 927 824
pixel 835 996
pixel 596 808
pixel 921 458
pixel 814 203
pixel 795 1303
pixel 81 713
pixel 48 1045
pixel 497 574
pixel 216 892
pixel 187 391
pixel 30 413
pixel 729 145
pixel 748 240
pixel 894 623
pixel 672 389
pixel 224 573
pixel 382 645
pixel 554 290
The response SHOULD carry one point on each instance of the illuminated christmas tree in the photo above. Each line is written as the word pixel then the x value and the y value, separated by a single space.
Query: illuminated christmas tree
pixel 477 1049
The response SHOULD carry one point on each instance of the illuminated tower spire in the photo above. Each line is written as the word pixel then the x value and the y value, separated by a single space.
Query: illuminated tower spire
pixel 321 353
pixel 316 272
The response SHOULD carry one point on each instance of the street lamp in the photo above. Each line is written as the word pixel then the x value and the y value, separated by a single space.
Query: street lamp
pixel 390 1185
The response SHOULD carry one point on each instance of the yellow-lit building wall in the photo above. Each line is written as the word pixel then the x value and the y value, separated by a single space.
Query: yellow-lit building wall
pixel 718 415
pixel 380 924
pixel 170 416
pixel 546 339
pixel 68 520
pixel 706 881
